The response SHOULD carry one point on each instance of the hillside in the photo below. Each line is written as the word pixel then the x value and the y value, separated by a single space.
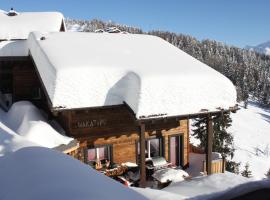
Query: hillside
pixel 250 128
pixel 248 70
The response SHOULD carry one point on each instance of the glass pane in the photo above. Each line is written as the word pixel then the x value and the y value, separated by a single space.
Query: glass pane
pixel 154 147
pixel 173 150
pixel 91 154
pixel 103 153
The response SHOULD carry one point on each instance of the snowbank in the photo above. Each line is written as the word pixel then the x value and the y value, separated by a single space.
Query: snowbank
pixel 206 185
pixel 13 48
pixel 174 175
pixel 27 121
pixel 152 76
pixel 10 141
pixel 19 26
pixel 216 186
pixel 40 173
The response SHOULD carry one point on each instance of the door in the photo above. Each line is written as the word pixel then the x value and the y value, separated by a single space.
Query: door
pixel 176 150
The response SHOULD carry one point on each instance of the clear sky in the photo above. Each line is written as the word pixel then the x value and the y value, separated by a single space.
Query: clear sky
pixel 235 22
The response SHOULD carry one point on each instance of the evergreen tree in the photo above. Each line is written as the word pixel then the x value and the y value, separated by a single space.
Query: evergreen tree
pixel 233 167
pixel 246 172
pixel 268 173
pixel 222 140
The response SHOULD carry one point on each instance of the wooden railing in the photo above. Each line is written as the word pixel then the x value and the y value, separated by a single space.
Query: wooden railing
pixel 218 166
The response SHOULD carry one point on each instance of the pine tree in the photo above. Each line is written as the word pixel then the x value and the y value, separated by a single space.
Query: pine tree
pixel 268 173
pixel 200 131
pixel 222 140
pixel 246 172
pixel 233 167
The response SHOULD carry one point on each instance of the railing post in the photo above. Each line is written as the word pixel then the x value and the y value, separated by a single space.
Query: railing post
pixel 209 144
pixel 142 155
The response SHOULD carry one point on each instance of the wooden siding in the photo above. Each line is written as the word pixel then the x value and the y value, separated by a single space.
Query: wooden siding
pixel 116 126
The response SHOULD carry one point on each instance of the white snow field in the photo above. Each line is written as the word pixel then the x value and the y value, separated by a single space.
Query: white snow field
pixel 152 76
pixel 251 131
pixel 24 125
pixel 19 27
pixel 35 173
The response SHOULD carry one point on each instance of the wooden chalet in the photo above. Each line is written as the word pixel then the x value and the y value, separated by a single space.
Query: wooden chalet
pixel 114 129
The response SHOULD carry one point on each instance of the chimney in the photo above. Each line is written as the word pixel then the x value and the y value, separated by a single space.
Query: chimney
pixel 12 13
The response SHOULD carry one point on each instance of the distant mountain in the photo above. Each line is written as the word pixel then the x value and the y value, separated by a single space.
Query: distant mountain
pixel 261 48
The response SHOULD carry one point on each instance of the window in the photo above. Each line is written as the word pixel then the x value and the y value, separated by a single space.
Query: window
pixel 153 148
pixel 102 154
pixel 176 149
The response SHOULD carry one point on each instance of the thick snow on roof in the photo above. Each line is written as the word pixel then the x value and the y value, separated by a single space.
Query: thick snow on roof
pixel 39 173
pixel 26 121
pixel 152 76
pixel 19 26
pixel 13 48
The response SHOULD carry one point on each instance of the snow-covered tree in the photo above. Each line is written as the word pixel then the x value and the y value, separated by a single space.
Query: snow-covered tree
pixel 233 167
pixel 246 172
pixel 222 140
pixel 268 173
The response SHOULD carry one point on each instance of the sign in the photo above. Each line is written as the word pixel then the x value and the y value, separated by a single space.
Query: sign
pixel 91 123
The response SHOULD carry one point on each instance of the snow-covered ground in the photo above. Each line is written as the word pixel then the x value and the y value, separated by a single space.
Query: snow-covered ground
pixel 24 125
pixel 216 186
pixel 251 131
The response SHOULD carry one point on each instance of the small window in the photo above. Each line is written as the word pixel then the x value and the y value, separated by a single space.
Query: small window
pixel 153 148
pixel 99 154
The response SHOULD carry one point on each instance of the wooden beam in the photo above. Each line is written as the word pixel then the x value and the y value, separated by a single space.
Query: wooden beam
pixel 209 145
pixel 142 156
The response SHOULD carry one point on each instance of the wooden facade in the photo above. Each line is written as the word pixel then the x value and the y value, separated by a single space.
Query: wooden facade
pixel 117 126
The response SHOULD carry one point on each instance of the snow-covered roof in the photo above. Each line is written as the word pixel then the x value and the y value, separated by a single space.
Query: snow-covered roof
pixel 152 76
pixel 13 48
pixel 19 26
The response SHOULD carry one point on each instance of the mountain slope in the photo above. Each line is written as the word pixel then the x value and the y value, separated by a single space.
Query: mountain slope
pixel 263 48
pixel 250 128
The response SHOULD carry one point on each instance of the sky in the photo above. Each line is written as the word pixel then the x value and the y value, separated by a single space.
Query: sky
pixel 234 22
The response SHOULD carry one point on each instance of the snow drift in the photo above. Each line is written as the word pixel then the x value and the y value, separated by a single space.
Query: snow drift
pixel 28 122
pixel 152 76
pixel 40 173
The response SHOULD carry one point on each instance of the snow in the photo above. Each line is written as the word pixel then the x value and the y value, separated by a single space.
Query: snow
pixel 250 128
pixel 152 76
pixel 153 194
pixel 170 174
pixel 206 184
pixel 27 122
pixel 19 26
pixel 215 186
pixel 13 48
pixel 39 173
pixel 267 51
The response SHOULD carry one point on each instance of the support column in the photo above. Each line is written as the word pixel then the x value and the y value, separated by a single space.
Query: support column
pixel 142 156
pixel 209 145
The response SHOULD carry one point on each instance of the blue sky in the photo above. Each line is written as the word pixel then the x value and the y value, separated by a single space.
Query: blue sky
pixel 234 22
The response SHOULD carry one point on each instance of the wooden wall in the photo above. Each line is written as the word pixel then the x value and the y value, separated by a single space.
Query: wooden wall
pixel 116 126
